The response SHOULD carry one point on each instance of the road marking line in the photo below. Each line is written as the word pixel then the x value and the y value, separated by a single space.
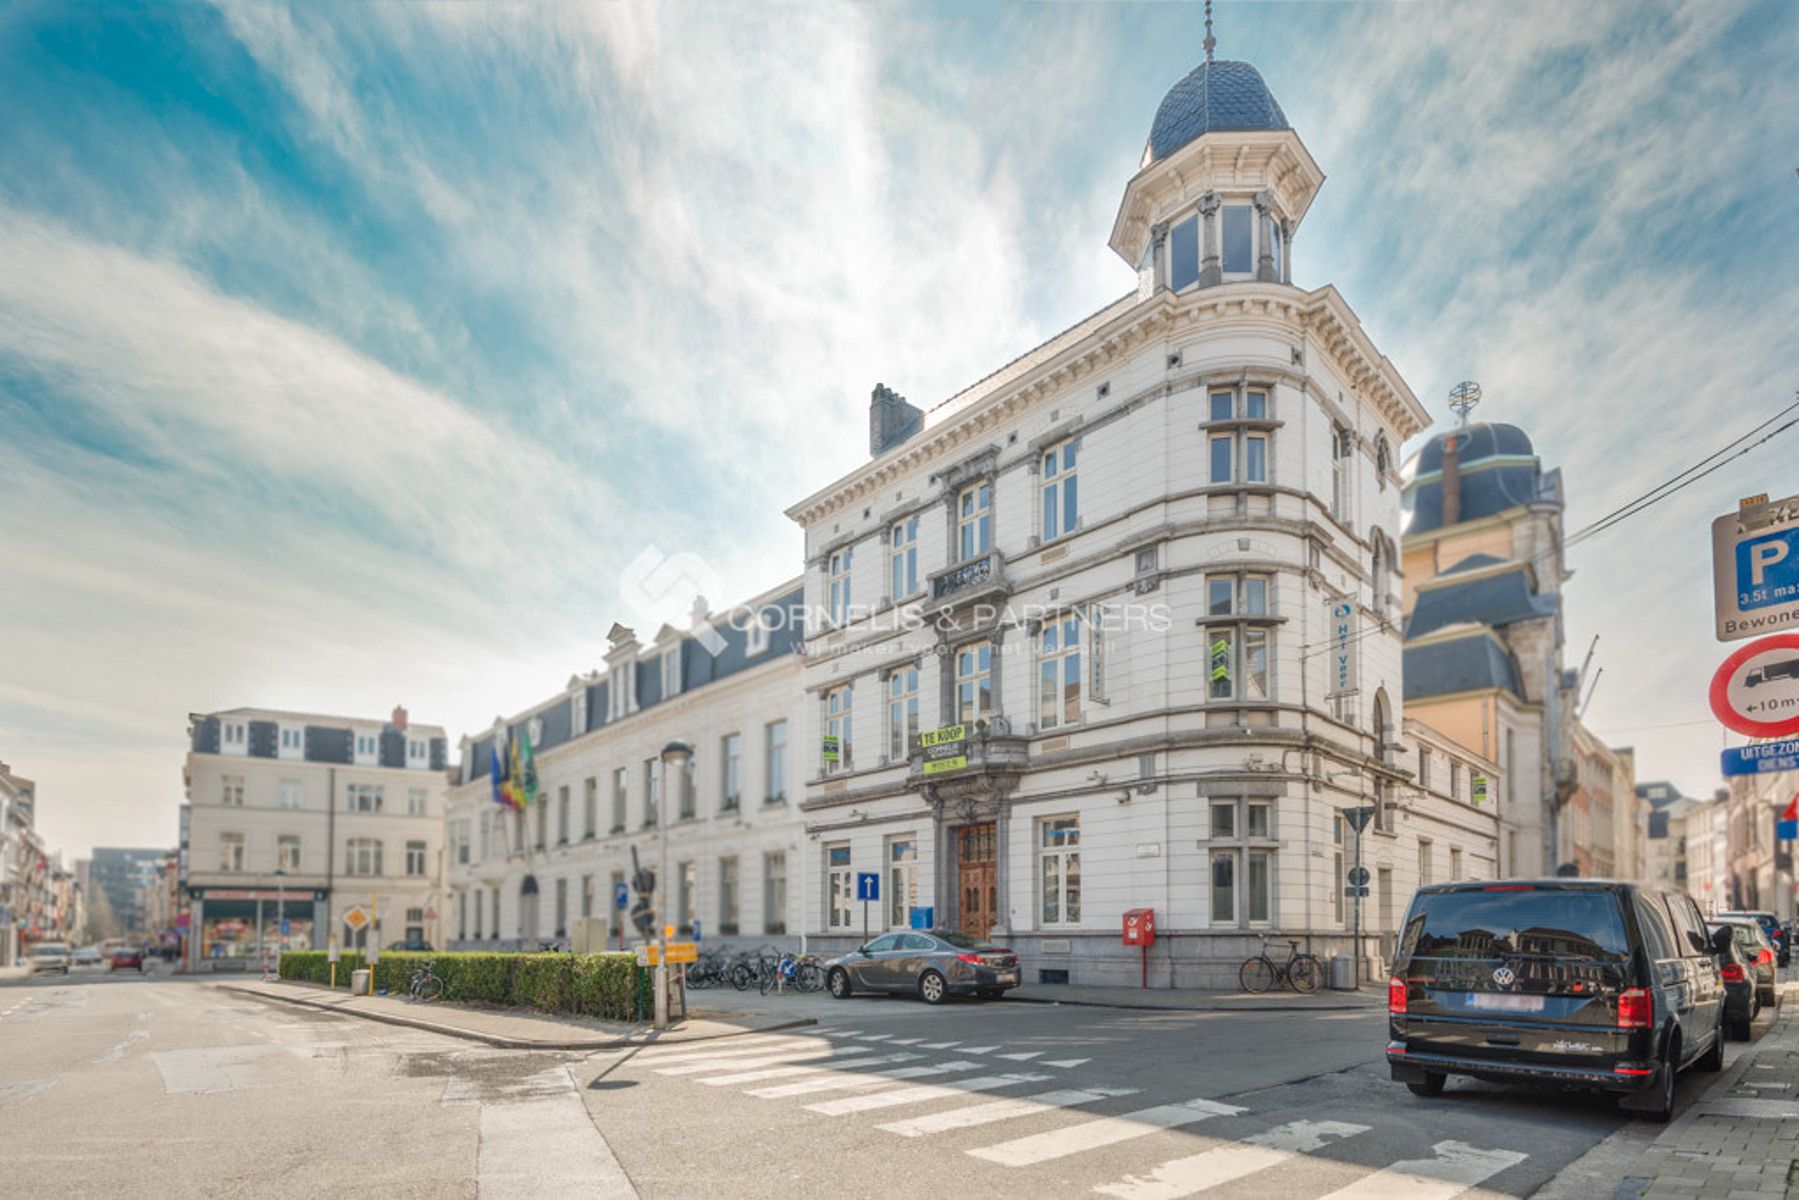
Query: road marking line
pixel 831 1081
pixel 1023 1056
pixel 1456 1168
pixel 1106 1131
pixel 715 1054
pixel 845 1032
pixel 1001 1110
pixel 837 1082
pixel 874 1037
pixel 907 1041
pixel 777 1059
pixel 761 1046
pixel 922 1093
pixel 537 1147
pixel 979 1049
pixel 804 1069
pixel 1065 1062
pixel 1227 1163
pixel 938 1045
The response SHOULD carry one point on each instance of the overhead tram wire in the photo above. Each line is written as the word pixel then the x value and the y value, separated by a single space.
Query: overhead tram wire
pixel 1617 516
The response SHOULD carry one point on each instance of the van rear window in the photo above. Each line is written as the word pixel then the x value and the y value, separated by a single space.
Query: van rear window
pixel 1551 923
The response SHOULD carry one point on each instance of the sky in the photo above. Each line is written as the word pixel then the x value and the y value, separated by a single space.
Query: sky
pixel 350 355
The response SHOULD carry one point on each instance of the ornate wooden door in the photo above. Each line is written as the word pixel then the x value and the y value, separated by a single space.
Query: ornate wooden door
pixel 977 880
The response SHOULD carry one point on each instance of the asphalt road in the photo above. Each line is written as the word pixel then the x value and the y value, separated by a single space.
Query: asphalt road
pixel 126 1087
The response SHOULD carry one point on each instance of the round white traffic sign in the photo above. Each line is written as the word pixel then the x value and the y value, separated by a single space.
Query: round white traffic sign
pixel 1756 690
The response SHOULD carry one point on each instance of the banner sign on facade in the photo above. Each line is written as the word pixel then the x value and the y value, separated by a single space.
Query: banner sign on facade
pixel 1342 617
pixel 1479 790
pixel 949 733
pixel 831 746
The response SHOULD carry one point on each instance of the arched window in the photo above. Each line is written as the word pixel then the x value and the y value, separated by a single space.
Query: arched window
pixel 1383 725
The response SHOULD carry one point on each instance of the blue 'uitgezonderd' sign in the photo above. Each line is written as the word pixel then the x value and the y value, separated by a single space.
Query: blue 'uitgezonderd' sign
pixel 1761 758
pixel 868 885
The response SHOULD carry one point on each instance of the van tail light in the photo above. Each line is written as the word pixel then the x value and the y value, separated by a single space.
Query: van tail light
pixel 971 959
pixel 1636 1009
pixel 1734 973
pixel 1396 996
pixel 1764 957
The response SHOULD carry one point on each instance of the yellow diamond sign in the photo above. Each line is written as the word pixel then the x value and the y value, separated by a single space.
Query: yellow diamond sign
pixel 357 917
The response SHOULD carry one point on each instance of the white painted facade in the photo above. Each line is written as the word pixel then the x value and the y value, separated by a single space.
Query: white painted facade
pixel 1141 779
pixel 520 879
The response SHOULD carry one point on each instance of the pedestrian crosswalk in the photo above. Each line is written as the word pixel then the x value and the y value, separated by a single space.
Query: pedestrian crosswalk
pixel 972 1097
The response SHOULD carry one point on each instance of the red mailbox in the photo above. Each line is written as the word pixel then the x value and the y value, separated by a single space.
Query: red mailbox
pixel 1140 930
pixel 1139 926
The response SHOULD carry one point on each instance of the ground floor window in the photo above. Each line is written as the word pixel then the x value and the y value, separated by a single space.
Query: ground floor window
pixel 840 886
pixel 562 908
pixel 774 892
pixel 1059 870
pixel 1242 884
pixel 727 895
pixel 902 881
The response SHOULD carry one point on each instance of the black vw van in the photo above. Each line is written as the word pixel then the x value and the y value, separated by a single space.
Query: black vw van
pixel 1563 982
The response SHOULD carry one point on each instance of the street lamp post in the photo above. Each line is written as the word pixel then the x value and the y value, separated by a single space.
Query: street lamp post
pixel 675 757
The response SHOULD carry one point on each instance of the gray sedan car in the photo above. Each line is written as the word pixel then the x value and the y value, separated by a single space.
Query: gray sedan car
pixel 932 966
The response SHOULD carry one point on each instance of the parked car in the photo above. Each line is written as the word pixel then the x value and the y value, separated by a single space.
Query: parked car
pixel 1737 964
pixel 51 956
pixel 420 947
pixel 1758 956
pixel 932 966
pixel 1777 933
pixel 87 956
pixel 1568 983
pixel 126 958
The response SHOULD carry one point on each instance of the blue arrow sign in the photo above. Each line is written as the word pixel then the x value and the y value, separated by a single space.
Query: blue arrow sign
pixel 1786 831
pixel 621 896
pixel 1762 757
pixel 868 885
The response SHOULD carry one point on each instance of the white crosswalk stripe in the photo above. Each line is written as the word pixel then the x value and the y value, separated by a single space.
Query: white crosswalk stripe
pixel 731 1049
pixel 1024 1056
pixel 1064 1063
pixel 1456 1168
pixel 922 1093
pixel 1001 1110
pixel 810 1068
pixel 844 1081
pixel 1106 1131
pixel 874 1037
pixel 906 1041
pixel 979 1049
pixel 939 1045
pixel 1224 1164
pixel 775 1059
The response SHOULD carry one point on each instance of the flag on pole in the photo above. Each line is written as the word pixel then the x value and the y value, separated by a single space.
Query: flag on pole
pixel 516 785
pixel 497 773
pixel 527 780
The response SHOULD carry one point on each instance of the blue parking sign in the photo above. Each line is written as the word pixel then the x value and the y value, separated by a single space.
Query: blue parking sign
pixel 868 885
pixel 1768 569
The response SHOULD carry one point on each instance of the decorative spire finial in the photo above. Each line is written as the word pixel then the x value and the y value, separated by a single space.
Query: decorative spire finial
pixel 1210 40
pixel 1463 397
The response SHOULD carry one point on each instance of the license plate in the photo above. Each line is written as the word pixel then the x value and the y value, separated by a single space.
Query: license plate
pixel 1505 1002
pixel 1008 976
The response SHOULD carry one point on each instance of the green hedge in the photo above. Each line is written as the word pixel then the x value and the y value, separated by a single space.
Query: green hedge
pixel 595 985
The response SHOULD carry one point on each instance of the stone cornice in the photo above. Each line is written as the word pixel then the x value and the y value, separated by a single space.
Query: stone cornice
pixel 1114 333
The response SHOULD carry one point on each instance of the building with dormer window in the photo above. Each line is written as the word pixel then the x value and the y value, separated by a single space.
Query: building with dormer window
pixel 1117 626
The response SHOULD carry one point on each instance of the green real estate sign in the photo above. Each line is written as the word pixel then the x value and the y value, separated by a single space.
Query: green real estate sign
pixel 945 749
pixel 830 748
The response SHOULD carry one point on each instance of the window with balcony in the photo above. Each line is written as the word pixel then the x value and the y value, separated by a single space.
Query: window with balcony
pixel 902 559
pixel 838 577
pixel 839 722
pixel 902 712
pixel 1061 508
pixel 1059 673
pixel 974 683
pixel 974 521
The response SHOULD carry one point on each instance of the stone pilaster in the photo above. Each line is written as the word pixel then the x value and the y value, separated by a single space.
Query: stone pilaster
pixel 1211 273
pixel 1264 222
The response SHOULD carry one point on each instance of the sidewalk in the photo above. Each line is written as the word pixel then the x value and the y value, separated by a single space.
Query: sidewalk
pixel 1323 1000
pixel 508 1029
pixel 1740 1141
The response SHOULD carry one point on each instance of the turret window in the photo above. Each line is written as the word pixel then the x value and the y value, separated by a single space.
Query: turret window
pixel 1239 244
pixel 1183 254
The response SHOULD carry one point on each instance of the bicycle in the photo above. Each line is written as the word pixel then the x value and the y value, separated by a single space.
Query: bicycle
pixel 1301 971
pixel 426 985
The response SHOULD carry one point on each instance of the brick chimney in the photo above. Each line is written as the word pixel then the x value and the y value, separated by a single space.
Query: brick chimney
pixel 399 721
pixel 890 420
pixel 1452 482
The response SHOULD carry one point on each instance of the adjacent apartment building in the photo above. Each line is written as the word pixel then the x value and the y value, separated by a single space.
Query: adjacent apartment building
pixel 299 817
pixel 1118 626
